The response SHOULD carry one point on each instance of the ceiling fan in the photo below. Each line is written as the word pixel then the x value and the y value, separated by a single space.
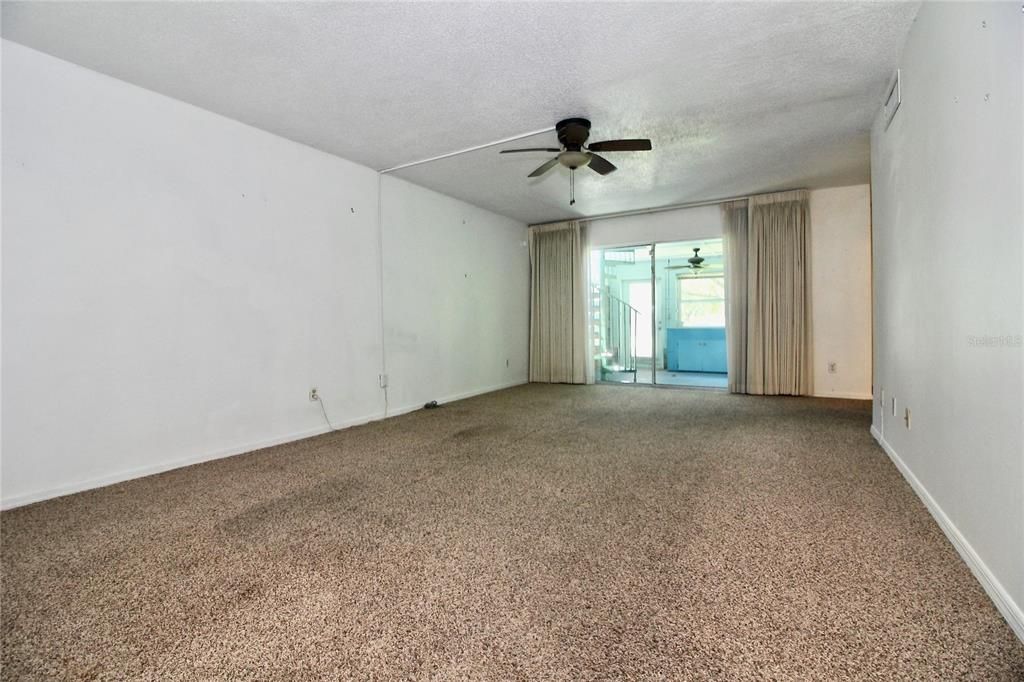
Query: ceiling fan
pixel 696 262
pixel 576 153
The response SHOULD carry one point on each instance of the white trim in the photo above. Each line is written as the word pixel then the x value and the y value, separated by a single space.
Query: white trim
pixel 845 396
pixel 996 592
pixel 140 472
pixel 394 412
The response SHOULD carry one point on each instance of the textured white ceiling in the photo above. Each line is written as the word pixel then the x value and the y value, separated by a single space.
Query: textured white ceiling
pixel 737 97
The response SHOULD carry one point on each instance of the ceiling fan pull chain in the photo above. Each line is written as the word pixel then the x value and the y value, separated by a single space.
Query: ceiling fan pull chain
pixel 572 186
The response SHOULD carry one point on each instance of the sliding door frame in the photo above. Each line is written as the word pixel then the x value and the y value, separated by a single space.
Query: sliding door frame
pixel 654 315
pixel 652 250
pixel 650 279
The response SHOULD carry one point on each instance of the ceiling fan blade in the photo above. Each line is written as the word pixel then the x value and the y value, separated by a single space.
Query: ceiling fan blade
pixel 621 146
pixel 548 165
pixel 601 164
pixel 539 149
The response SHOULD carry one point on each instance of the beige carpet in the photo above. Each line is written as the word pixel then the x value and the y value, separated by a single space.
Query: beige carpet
pixel 543 532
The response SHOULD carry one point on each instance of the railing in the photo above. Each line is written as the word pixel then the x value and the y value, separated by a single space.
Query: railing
pixel 618 342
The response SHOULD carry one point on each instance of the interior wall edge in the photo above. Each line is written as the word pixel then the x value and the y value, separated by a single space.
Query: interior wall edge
pixel 1004 603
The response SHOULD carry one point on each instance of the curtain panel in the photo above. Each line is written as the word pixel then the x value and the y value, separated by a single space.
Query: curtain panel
pixel 778 295
pixel 558 304
pixel 734 244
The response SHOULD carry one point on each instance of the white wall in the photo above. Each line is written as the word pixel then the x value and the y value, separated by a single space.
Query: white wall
pixel 174 282
pixel 840 272
pixel 947 221
pixel 456 297
pixel 700 222
pixel 841 291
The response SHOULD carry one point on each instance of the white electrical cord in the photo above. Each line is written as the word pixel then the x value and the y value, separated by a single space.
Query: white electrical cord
pixel 323 411
pixel 475 148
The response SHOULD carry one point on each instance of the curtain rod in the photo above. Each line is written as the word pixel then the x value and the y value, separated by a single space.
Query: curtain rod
pixel 467 150
pixel 657 209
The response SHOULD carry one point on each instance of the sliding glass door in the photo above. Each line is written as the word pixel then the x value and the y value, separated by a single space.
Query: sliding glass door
pixel 622 307
pixel 658 314
pixel 691 316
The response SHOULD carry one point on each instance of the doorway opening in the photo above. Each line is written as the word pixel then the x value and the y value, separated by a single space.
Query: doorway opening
pixel 658 313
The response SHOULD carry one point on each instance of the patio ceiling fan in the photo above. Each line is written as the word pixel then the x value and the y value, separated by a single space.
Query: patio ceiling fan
pixel 694 262
pixel 576 153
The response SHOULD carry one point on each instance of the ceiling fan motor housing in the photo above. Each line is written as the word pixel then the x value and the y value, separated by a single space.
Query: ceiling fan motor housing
pixel 696 259
pixel 573 133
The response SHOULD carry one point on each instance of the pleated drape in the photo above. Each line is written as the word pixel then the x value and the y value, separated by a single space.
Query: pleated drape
pixel 734 244
pixel 558 300
pixel 778 297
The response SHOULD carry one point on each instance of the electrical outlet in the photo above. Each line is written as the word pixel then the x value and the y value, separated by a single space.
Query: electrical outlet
pixel 831 368
pixel 313 395
pixel 906 416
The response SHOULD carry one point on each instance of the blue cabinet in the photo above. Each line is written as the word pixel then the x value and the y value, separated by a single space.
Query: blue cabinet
pixel 696 349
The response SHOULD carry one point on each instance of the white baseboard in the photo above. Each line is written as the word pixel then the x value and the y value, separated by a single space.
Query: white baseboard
pixel 995 590
pixel 845 396
pixel 395 411
pixel 139 472
pixel 159 468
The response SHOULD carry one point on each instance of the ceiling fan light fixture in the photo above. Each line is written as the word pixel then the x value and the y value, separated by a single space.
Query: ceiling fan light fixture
pixel 573 159
pixel 572 136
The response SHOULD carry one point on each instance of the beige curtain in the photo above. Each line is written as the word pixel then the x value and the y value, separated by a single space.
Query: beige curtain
pixel 778 281
pixel 734 242
pixel 558 304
